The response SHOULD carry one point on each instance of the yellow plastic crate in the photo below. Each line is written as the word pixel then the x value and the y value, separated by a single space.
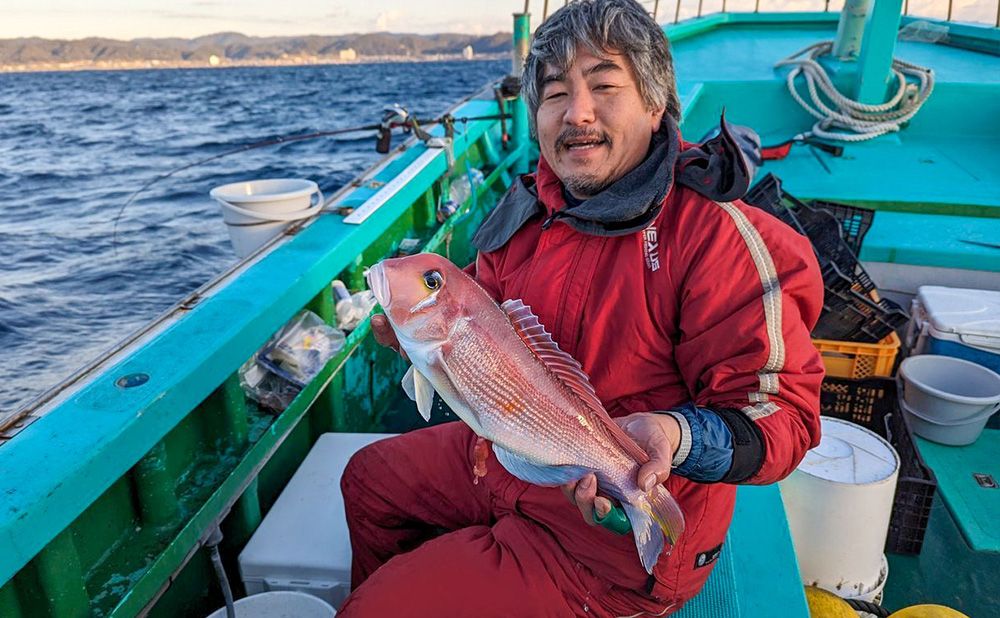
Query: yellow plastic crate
pixel 844 359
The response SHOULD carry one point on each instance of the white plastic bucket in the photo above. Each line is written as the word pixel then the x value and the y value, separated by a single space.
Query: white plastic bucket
pixel 949 390
pixel 258 210
pixel 282 604
pixel 838 502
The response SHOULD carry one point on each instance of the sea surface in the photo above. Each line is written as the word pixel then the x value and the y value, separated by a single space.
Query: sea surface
pixel 74 146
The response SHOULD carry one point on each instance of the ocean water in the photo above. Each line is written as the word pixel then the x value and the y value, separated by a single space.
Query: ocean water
pixel 74 147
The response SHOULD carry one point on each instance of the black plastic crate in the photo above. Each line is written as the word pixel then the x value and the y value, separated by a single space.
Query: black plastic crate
pixel 826 235
pixel 851 314
pixel 821 228
pixel 873 404
pixel 855 221
pixel 768 195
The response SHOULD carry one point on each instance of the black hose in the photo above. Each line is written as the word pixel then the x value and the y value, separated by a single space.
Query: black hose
pixel 868 606
pixel 212 543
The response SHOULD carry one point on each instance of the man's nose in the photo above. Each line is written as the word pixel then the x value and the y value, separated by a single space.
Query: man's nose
pixel 580 108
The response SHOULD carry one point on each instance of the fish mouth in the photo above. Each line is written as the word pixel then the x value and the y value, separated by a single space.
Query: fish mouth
pixel 378 283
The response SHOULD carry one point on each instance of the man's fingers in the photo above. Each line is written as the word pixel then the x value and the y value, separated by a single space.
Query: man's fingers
pixel 602 506
pixel 584 495
pixel 652 473
pixel 384 334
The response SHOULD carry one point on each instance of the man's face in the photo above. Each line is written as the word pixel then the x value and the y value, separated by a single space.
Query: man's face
pixel 593 126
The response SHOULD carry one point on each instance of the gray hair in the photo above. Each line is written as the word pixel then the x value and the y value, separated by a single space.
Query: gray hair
pixel 602 26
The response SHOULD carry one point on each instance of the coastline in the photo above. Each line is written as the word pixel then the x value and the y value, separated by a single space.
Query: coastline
pixel 287 61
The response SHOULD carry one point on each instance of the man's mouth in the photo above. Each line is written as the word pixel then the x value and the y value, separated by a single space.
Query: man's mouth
pixel 577 143
pixel 584 145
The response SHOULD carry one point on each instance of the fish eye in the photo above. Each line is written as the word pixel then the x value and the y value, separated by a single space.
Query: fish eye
pixel 433 280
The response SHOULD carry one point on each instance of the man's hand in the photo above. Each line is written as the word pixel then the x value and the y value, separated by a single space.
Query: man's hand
pixel 384 334
pixel 659 435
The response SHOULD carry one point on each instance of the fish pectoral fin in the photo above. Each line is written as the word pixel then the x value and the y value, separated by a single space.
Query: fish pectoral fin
pixel 537 474
pixel 419 389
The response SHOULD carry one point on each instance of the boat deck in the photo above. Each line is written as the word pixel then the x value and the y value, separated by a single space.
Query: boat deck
pixel 935 182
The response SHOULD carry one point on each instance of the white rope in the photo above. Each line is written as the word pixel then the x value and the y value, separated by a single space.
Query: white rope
pixel 848 120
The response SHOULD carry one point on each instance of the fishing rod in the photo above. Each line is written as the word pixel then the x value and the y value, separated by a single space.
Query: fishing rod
pixel 393 117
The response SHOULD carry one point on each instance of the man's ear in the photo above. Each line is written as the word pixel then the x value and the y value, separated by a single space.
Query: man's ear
pixel 656 118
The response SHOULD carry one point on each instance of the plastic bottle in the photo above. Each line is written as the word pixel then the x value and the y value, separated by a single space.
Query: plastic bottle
pixel 461 189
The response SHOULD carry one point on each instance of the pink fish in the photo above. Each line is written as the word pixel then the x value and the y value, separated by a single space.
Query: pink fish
pixel 503 375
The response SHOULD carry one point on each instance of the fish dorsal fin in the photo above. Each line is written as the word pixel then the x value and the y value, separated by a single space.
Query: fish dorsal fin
pixel 567 369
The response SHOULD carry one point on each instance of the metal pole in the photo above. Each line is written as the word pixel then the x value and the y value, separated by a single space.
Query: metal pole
pixel 656 10
pixel 545 10
pixel 677 12
pixel 949 10
pixel 723 6
pixel 998 14
pixel 756 6
pixel 521 130
pixel 699 8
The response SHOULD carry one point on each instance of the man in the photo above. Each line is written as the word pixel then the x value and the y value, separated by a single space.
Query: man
pixel 689 312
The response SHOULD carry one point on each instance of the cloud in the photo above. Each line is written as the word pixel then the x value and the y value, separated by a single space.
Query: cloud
pixel 385 19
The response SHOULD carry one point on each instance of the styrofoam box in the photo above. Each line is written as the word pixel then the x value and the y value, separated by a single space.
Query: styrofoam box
pixel 303 543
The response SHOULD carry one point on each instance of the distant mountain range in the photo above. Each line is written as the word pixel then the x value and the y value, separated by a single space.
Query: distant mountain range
pixel 235 48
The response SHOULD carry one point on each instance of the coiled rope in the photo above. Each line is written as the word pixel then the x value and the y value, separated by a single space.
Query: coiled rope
pixel 848 120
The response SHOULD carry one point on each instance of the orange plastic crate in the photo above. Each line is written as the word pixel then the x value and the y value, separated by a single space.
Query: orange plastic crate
pixel 844 359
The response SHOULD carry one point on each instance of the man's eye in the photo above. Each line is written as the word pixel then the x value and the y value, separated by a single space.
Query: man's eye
pixel 604 87
pixel 554 95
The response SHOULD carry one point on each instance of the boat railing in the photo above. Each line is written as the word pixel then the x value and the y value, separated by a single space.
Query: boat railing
pixel 938 10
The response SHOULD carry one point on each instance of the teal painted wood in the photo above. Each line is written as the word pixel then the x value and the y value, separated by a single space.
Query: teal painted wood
pixel 975 508
pixel 757 574
pixel 878 46
pixel 695 26
pixel 763 543
pixel 942 241
pixel 947 572
pixel 80 448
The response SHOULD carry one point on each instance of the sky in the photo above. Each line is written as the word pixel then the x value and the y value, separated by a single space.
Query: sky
pixel 129 19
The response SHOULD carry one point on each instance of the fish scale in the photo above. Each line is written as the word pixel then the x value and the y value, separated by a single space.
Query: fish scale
pixel 541 426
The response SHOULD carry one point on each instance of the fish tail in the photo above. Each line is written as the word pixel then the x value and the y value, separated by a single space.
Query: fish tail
pixel 657 523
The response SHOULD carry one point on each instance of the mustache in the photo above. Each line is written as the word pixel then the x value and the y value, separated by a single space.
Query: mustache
pixel 574 133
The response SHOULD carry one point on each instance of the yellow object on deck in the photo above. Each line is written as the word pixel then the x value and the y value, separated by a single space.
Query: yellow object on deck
pixel 825 604
pixel 857 361
pixel 928 611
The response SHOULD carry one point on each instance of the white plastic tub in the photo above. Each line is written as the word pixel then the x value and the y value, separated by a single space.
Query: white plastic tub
pixel 838 502
pixel 948 392
pixel 954 433
pixel 258 210
pixel 279 605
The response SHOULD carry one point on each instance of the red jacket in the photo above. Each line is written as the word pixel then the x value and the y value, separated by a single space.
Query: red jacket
pixel 711 304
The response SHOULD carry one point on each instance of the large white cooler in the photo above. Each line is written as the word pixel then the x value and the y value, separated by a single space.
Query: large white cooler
pixel 303 543
pixel 957 322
